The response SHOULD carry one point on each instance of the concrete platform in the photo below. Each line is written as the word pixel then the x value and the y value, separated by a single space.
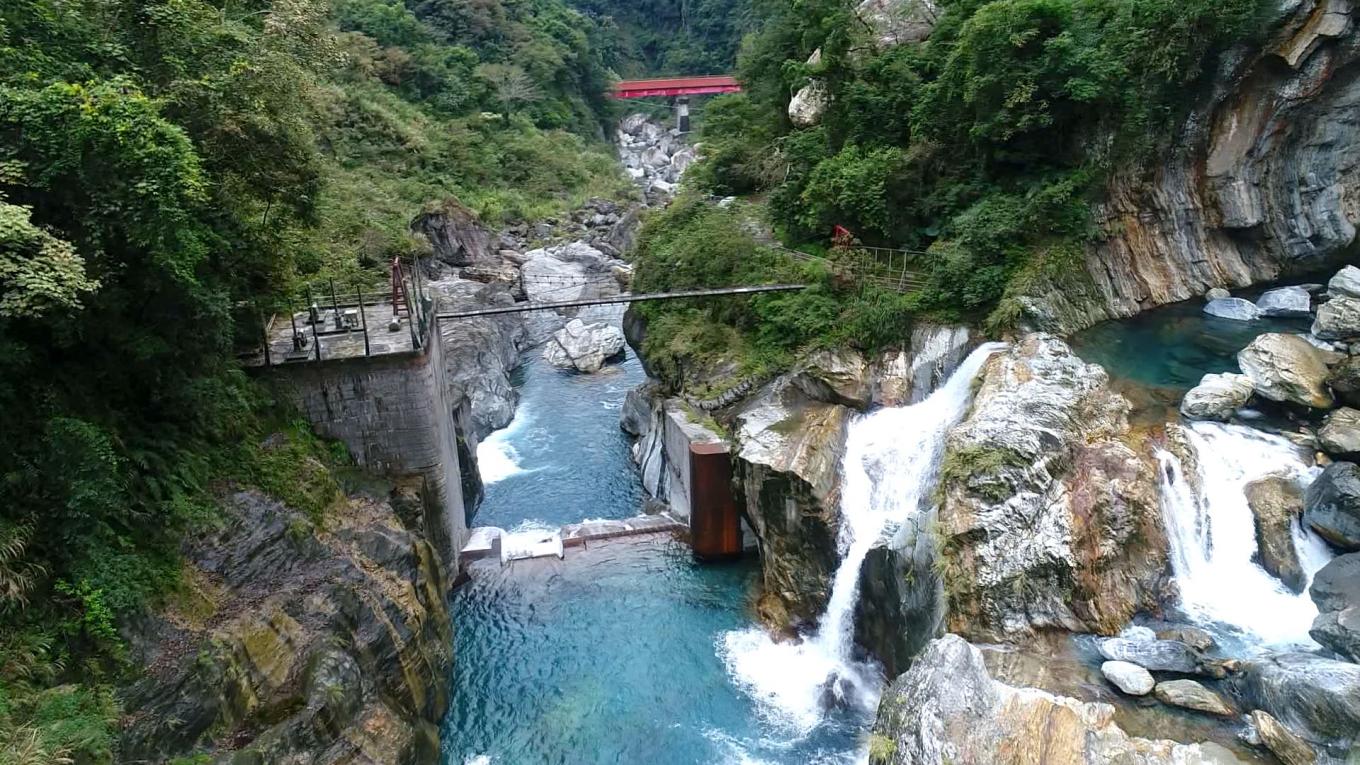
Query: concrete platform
pixel 337 342
pixel 491 542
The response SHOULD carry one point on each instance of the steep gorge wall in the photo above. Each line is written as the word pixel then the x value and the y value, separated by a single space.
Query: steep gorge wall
pixel 1262 182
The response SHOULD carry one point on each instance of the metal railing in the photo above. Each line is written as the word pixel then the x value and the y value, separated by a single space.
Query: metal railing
pixel 331 310
pixel 894 269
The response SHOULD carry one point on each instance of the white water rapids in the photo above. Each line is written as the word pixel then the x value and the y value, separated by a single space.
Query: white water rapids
pixel 1213 536
pixel 891 458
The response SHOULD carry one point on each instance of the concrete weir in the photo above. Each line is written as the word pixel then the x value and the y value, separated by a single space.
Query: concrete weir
pixel 491 542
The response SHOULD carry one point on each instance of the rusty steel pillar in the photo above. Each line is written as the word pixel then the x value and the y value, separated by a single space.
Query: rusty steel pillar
pixel 714 520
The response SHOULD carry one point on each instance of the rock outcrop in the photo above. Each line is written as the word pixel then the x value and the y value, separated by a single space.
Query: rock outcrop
pixel 1286 302
pixel 1048 518
pixel 1339 435
pixel 295 644
pixel 1317 698
pixel 1233 308
pixel 584 347
pixel 1287 368
pixel 1192 695
pixel 1336 590
pixel 480 353
pixel 456 235
pixel 1258 184
pixel 1275 503
pixel 787 469
pixel 1331 506
pixel 1338 319
pixel 947 709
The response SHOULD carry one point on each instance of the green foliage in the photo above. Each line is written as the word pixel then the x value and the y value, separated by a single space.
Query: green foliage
pixel 693 244
pixel 673 36
pixel 981 145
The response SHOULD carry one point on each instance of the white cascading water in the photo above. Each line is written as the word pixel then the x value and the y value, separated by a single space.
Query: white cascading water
pixel 1213 537
pixel 891 458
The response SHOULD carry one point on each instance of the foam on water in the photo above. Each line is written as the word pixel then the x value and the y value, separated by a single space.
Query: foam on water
pixel 890 464
pixel 1213 538
pixel 497 458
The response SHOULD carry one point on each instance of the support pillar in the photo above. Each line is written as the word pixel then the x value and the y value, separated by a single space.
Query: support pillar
pixel 682 113
pixel 715 519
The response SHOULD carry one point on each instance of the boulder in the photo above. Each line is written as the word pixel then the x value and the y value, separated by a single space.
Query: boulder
pixel 1155 655
pixel 1331 506
pixel 1317 698
pixel 907 376
pixel 1128 677
pixel 1192 695
pixel 898 22
pixel 1287 368
pixel 1233 308
pixel 808 104
pixel 1339 435
pixel 1336 591
pixel 1346 283
pixel 1275 502
pixel 947 709
pixel 1338 319
pixel 1286 302
pixel 1344 380
pixel 1048 518
pixel 584 347
pixel 455 233
pixel 1196 638
pixel 1217 397
pixel 1216 293
pixel 1281 741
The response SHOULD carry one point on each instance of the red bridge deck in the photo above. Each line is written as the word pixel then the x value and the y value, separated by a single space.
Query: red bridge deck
pixel 676 86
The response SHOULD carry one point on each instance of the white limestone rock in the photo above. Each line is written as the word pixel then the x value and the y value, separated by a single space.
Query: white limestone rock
pixel 1233 308
pixel 1286 302
pixel 1287 368
pixel 1338 319
pixel 1128 677
pixel 1217 397
pixel 584 347
pixel 1346 283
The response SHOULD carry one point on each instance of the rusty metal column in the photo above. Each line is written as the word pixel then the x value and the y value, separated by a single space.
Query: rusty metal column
pixel 714 520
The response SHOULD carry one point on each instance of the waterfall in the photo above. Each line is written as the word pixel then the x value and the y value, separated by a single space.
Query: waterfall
pixel 891 458
pixel 1212 535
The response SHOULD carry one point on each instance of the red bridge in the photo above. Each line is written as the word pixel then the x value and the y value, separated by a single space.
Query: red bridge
pixel 676 86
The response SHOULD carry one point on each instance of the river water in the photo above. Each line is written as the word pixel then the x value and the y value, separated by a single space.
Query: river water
pixel 613 654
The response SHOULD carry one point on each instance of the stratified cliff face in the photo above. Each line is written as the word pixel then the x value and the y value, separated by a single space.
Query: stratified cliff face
pixel 1262 181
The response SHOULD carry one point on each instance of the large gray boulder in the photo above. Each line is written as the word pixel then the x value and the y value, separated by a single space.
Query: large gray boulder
pixel 1339 435
pixel 1128 677
pixel 1155 655
pixel 1346 283
pixel 1287 368
pixel 1331 506
pixel 1237 309
pixel 808 104
pixel 1336 590
pixel 1192 695
pixel 1217 397
pixel 1275 502
pixel 1048 518
pixel 1338 319
pixel 839 376
pixel 584 347
pixel 1318 698
pixel 1286 302
pixel 948 710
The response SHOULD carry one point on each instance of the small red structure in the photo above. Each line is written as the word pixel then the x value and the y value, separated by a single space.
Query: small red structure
pixel 676 86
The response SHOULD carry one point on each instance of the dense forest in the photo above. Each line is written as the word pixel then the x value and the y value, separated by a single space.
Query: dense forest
pixel 660 37
pixel 982 147
pixel 168 171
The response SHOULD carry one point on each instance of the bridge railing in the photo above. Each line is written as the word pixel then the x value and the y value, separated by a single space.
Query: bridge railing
pixel 894 269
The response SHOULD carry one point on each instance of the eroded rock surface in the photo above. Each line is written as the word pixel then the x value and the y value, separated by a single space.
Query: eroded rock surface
pixel 1336 590
pixel 1287 368
pixel 1217 397
pixel 1331 506
pixel 1275 503
pixel 787 467
pixel 299 645
pixel 947 709
pixel 1258 184
pixel 584 347
pixel 1317 698
pixel 1049 519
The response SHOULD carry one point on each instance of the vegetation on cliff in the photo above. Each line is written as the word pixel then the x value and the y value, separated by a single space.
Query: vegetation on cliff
pixel 169 169
pixel 659 37
pixel 984 145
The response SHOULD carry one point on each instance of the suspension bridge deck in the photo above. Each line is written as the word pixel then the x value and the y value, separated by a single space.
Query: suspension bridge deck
pixel 618 299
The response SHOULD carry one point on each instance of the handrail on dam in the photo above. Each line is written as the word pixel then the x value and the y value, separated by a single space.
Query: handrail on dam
pixel 617 299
